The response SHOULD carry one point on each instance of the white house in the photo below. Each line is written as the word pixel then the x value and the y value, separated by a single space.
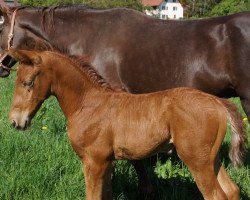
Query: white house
pixel 167 9
pixel 9 2
pixel 171 9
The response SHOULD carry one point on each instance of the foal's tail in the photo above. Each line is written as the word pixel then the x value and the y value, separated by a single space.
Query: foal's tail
pixel 238 148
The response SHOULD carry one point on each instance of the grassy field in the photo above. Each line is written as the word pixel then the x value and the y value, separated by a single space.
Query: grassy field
pixel 40 164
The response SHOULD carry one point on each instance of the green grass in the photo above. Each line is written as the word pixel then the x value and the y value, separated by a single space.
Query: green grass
pixel 40 163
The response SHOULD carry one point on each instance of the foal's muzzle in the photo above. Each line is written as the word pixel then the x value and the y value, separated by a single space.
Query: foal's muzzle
pixel 19 120
pixel 22 126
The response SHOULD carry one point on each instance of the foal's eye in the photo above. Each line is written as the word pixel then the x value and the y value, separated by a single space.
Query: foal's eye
pixel 28 84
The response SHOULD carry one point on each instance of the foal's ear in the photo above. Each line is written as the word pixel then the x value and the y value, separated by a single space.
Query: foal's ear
pixel 5 10
pixel 25 56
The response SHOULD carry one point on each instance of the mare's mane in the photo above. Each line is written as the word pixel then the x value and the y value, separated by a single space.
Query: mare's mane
pixel 53 8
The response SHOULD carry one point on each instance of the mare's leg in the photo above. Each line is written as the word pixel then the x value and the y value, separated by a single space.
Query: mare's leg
pixel 145 186
pixel 244 92
pixel 229 187
pixel 98 179
pixel 246 106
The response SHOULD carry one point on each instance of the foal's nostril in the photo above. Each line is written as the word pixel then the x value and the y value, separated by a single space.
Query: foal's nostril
pixel 14 124
pixel 26 124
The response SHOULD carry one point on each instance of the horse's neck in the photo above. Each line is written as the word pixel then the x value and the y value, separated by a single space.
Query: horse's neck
pixel 71 86
pixel 32 21
pixel 50 28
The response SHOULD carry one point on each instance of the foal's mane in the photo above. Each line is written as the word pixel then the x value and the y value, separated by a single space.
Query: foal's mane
pixel 82 63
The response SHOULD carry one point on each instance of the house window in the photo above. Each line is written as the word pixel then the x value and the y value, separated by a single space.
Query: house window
pixel 174 0
pixel 175 8
pixel 174 16
pixel 163 8
pixel 163 16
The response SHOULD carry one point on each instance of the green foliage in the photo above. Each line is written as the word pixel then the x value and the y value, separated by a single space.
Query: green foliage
pixel 226 7
pixel 50 2
pixel 135 4
pixel 199 8
pixel 170 170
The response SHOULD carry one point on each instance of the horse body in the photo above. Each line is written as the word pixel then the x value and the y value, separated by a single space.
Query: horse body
pixel 104 124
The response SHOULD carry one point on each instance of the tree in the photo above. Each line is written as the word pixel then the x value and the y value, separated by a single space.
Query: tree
pixel 226 7
pixel 199 8
pixel 205 8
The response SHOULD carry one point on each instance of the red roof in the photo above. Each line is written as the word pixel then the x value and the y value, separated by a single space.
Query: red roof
pixel 151 2
pixel 157 2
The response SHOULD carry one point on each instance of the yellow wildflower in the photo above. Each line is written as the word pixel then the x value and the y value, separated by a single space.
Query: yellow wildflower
pixel 44 127
pixel 245 119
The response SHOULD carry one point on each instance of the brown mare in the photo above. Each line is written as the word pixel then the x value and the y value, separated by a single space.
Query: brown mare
pixel 105 124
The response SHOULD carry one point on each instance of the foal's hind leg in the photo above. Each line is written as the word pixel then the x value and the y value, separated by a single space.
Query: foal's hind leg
pixel 207 182
pixel 199 156
pixel 229 187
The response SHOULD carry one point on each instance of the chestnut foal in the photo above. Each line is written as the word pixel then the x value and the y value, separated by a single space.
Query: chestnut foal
pixel 104 124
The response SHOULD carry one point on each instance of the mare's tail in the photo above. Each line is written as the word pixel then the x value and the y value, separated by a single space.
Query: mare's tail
pixel 238 148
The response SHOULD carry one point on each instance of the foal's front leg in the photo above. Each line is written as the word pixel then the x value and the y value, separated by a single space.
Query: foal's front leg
pixel 97 175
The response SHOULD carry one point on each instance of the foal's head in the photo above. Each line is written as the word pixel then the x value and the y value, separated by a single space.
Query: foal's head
pixel 33 86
